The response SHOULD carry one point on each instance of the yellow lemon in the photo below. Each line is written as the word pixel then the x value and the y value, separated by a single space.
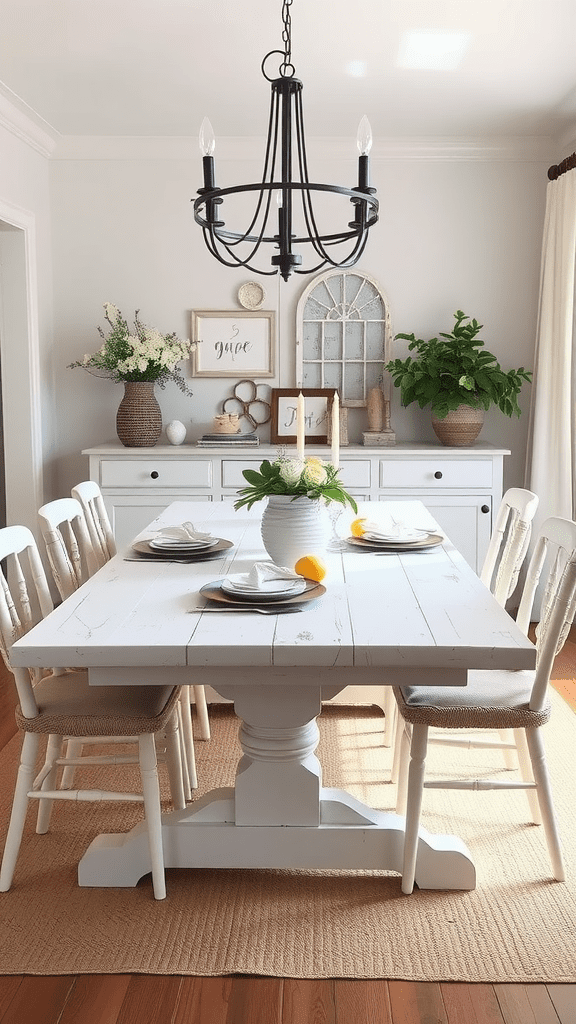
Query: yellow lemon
pixel 357 527
pixel 311 567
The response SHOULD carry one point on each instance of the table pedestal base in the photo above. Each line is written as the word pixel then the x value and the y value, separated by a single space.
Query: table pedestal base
pixel 350 836
pixel 278 815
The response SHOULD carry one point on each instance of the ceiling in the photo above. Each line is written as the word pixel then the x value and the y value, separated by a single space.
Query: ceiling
pixel 157 67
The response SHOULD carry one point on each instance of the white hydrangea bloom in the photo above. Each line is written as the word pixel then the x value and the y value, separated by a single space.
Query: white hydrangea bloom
pixel 290 470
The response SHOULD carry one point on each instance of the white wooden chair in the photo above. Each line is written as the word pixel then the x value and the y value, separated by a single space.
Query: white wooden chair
pixel 73 560
pixel 90 497
pixel 59 703
pixel 509 542
pixel 500 572
pixel 69 549
pixel 498 700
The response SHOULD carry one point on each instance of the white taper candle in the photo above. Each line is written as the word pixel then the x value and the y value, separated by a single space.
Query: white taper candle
pixel 336 431
pixel 300 408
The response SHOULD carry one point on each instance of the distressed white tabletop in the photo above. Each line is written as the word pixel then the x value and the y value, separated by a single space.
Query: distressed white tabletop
pixel 409 617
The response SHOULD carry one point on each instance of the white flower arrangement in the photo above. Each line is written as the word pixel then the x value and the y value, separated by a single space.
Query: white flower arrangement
pixel 140 355
pixel 310 478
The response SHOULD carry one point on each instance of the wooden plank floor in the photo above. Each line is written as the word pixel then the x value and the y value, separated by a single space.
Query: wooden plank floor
pixel 151 999
pixel 145 999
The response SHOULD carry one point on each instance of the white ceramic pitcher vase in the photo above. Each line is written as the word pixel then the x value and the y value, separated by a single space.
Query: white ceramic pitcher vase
pixel 294 527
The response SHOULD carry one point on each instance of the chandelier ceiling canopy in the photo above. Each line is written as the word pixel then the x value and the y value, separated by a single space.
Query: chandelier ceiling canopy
pixel 285 192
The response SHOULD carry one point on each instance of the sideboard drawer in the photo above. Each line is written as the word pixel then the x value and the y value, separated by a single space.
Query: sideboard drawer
pixel 150 473
pixel 439 472
pixel 232 471
pixel 356 473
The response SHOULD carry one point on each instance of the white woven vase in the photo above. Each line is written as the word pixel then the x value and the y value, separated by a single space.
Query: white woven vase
pixel 294 527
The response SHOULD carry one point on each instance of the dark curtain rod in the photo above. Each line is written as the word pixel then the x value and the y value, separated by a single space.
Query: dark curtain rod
pixel 557 169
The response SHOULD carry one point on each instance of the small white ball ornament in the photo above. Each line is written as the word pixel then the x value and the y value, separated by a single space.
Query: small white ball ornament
pixel 176 432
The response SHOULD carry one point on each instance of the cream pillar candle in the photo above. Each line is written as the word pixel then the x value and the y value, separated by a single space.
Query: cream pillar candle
pixel 300 409
pixel 336 431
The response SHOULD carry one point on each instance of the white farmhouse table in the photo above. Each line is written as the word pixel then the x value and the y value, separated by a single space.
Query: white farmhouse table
pixel 415 617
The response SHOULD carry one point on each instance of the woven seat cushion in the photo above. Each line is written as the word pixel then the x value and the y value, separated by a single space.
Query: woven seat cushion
pixel 68 706
pixel 491 700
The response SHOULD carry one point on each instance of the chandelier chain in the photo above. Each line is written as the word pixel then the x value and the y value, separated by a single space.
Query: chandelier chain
pixel 286 39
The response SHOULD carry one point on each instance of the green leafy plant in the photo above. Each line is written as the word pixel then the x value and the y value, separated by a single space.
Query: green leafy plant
pixel 454 370
pixel 143 354
pixel 310 478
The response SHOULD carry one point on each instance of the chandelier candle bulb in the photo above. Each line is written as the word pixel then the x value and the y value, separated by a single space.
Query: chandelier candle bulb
pixel 364 143
pixel 300 422
pixel 336 431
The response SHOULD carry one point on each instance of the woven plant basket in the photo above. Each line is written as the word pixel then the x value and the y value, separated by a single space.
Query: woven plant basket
pixel 139 417
pixel 459 427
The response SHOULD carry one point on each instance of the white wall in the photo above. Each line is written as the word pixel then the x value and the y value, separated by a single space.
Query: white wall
pixel 460 227
pixel 26 258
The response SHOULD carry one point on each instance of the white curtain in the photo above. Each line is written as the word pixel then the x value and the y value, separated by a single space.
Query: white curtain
pixel 551 460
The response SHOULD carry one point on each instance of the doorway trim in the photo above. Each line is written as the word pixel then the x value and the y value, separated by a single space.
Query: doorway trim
pixel 20 363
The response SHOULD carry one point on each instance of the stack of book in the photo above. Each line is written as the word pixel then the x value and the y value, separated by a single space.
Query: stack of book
pixel 228 441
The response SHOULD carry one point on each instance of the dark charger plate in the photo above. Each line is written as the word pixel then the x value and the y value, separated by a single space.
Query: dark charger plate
pixel 214 592
pixel 142 547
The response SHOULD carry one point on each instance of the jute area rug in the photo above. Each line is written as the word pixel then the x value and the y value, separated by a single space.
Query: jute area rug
pixel 517 926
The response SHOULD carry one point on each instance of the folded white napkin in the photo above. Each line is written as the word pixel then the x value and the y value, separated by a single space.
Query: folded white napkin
pixel 397 532
pixel 184 532
pixel 265 576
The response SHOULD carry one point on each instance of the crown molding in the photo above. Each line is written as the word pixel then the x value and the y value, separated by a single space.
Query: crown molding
pixel 108 147
pixel 21 121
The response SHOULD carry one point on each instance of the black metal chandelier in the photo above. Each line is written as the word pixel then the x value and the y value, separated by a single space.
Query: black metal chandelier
pixel 280 187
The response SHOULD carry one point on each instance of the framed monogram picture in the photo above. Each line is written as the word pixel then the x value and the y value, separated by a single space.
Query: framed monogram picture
pixel 233 344
pixel 317 412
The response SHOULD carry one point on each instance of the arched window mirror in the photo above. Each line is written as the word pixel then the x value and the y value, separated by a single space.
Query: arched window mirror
pixel 343 336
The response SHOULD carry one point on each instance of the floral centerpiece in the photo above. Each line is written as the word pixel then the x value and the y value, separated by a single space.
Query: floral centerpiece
pixel 295 522
pixel 297 478
pixel 139 358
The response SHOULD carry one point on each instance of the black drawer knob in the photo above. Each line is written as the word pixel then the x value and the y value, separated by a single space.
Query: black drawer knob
pixel 154 474
pixel 438 475
pixel 485 508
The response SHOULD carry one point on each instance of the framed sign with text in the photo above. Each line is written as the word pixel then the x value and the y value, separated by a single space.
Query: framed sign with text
pixel 317 412
pixel 229 344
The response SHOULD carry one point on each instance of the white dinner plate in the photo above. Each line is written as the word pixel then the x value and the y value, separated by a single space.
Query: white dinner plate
pixel 428 540
pixel 214 592
pixel 395 537
pixel 167 544
pixel 271 588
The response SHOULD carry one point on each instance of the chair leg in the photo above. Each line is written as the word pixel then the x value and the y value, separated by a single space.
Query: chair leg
pixel 526 774
pixel 152 810
pixel 53 751
pixel 398 730
pixel 73 749
pixel 414 804
pixel 188 735
pixel 183 756
pixel 174 762
pixel 390 716
pixel 544 790
pixel 403 761
pixel 509 759
pixel 24 780
pixel 202 712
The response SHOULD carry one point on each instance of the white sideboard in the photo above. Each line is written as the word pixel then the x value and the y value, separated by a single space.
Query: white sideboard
pixel 462 487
